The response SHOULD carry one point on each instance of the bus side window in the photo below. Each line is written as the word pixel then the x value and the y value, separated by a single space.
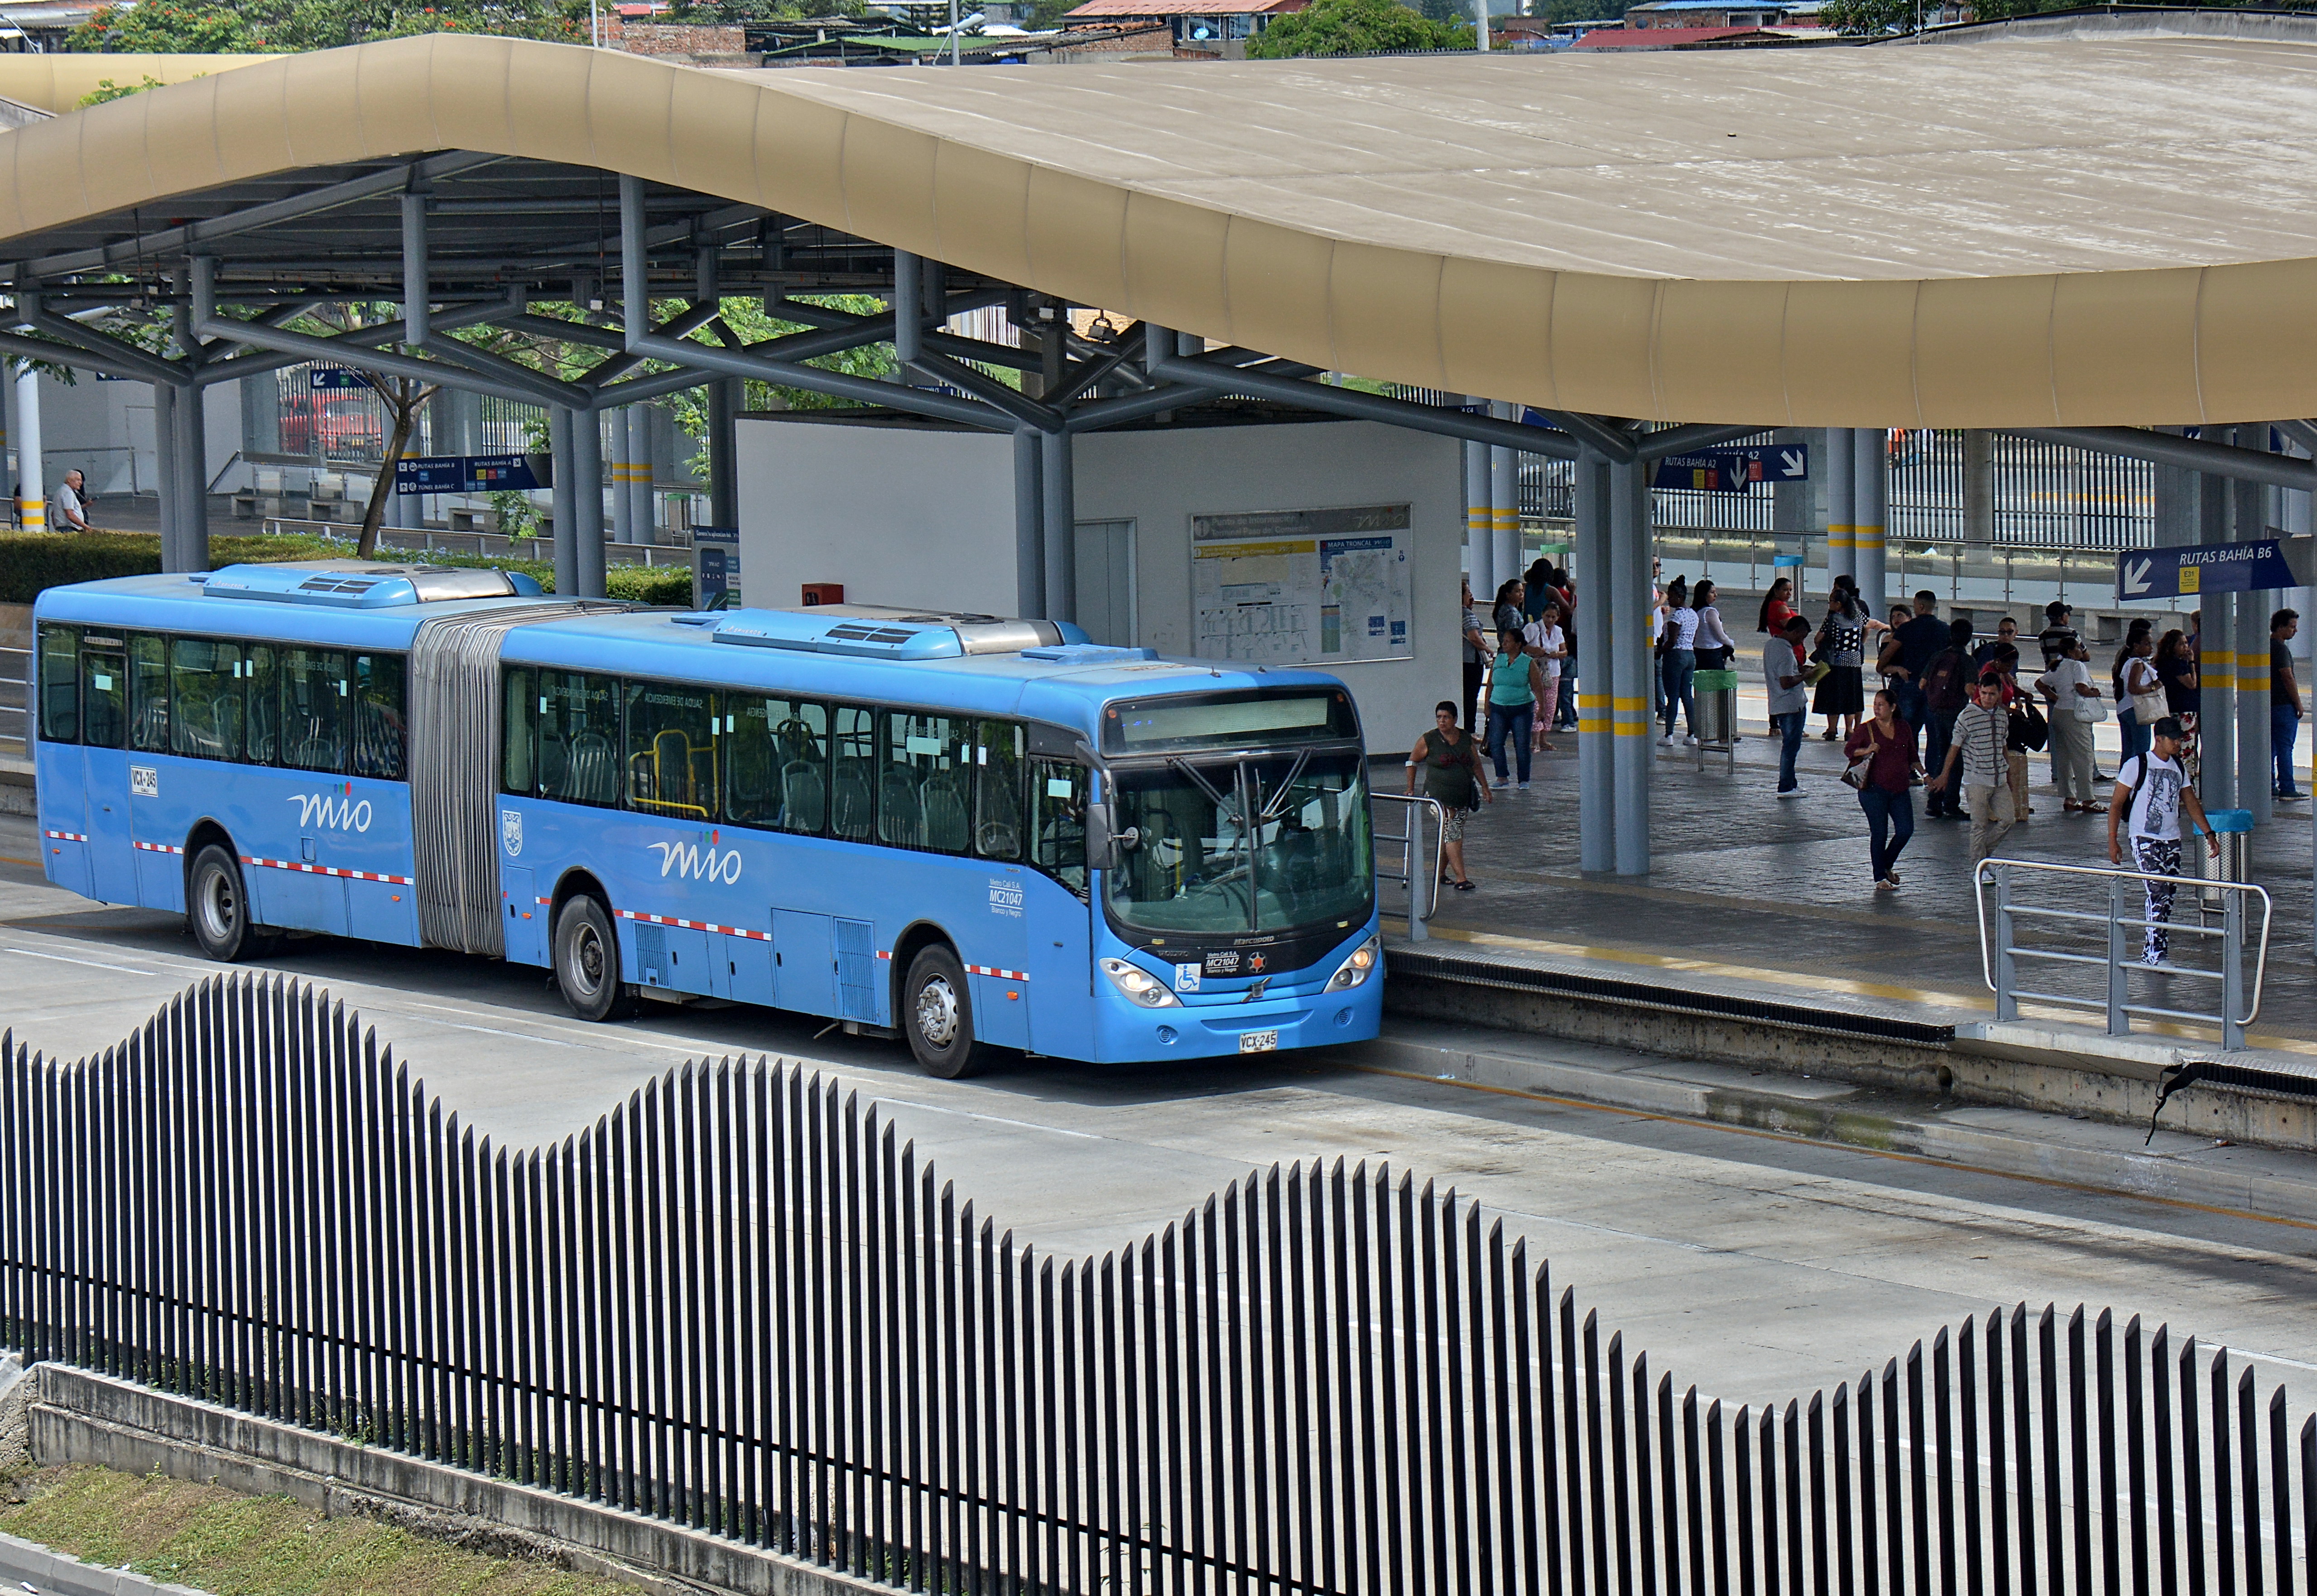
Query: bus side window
pixel 776 762
pixel 578 738
pixel 261 697
pixel 924 782
pixel 379 719
pixel 104 693
pixel 997 790
pixel 314 693
pixel 672 750
pixel 1058 794
pixel 852 774
pixel 148 694
pixel 519 729
pixel 205 693
pixel 59 685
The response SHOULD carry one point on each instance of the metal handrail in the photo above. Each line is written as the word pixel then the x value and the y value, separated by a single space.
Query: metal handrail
pixel 1998 952
pixel 1423 882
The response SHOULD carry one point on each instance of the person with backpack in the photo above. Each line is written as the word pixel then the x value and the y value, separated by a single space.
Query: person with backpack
pixel 2152 794
pixel 1945 686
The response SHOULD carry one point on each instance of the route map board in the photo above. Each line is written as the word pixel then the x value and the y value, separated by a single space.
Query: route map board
pixel 1302 586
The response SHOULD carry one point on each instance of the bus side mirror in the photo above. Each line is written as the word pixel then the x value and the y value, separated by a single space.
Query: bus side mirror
pixel 1107 847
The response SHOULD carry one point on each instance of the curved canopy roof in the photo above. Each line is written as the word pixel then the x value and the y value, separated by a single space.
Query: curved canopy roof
pixel 2056 233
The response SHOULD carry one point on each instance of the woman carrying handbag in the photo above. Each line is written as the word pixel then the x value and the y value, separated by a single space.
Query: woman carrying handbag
pixel 1881 769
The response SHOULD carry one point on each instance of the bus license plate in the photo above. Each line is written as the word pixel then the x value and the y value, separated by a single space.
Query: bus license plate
pixel 1258 1041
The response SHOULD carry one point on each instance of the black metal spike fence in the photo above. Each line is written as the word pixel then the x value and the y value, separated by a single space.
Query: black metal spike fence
pixel 741 1302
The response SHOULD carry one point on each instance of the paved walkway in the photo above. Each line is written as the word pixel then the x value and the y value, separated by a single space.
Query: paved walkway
pixel 1781 890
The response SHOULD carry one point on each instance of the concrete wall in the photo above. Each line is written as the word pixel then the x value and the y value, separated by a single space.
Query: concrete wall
pixel 104 429
pixel 925 516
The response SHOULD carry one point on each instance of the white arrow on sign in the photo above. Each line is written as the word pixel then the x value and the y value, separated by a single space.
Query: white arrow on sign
pixel 2135 576
pixel 1790 462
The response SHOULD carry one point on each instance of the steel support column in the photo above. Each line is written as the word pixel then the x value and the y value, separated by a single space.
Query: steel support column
pixel 725 402
pixel 1480 545
pixel 1978 487
pixel 614 422
pixel 2216 662
pixel 2254 788
pixel 31 493
pixel 1628 599
pixel 1596 628
pixel 191 550
pixel 564 497
pixel 8 428
pixel 643 516
pixel 1870 491
pixel 168 485
pixel 1029 521
pixel 1504 502
pixel 587 503
pixel 1841 516
pixel 1059 517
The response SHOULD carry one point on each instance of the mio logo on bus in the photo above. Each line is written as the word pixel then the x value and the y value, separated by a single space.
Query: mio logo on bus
pixel 692 861
pixel 340 812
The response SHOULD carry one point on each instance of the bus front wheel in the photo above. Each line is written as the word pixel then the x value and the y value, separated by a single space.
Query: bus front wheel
pixel 217 908
pixel 938 1015
pixel 587 960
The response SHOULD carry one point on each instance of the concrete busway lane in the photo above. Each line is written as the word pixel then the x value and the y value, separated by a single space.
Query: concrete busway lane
pixel 1757 1266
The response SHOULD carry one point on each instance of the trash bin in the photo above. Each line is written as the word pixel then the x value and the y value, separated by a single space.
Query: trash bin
pixel 2233 863
pixel 1717 715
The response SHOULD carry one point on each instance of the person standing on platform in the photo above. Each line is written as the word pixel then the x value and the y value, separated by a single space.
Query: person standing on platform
pixel 2140 692
pixel 1777 607
pixel 71 504
pixel 1507 615
pixel 1515 682
pixel 2176 667
pixel 1881 753
pixel 1842 645
pixel 2059 632
pixel 1550 646
pixel 1565 717
pixel 1784 673
pixel 1945 686
pixel 1476 653
pixel 1451 762
pixel 2151 791
pixel 2076 709
pixel 1714 645
pixel 1678 659
pixel 1922 637
pixel 1981 732
pixel 2284 710
pixel 2006 635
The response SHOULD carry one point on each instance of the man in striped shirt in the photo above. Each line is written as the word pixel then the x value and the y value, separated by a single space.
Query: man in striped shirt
pixel 1981 729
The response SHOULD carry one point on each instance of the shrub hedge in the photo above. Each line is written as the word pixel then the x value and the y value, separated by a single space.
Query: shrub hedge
pixel 32 562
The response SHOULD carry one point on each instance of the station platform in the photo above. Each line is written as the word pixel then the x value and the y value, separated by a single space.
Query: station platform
pixel 1758 939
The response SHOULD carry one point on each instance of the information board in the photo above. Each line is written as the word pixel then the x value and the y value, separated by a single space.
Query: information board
pixel 2185 570
pixel 1302 586
pixel 470 473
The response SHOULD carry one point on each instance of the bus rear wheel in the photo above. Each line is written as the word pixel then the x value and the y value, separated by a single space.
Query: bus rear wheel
pixel 587 960
pixel 938 1013
pixel 217 909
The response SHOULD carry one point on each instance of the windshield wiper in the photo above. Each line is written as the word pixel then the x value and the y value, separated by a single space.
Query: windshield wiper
pixel 1279 800
pixel 1185 768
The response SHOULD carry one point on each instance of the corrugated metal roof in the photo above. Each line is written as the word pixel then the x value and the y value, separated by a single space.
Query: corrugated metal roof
pixel 1094 8
pixel 1663 38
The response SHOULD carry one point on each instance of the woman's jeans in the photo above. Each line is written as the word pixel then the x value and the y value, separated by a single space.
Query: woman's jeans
pixel 1679 673
pixel 2136 737
pixel 1890 822
pixel 1511 721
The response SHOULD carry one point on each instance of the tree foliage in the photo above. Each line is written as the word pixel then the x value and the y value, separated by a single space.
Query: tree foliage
pixel 179 27
pixel 1868 18
pixel 1354 28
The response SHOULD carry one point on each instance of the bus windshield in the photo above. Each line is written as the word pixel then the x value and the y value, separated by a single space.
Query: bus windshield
pixel 1227 846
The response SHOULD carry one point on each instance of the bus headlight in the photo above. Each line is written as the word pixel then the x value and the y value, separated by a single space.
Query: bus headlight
pixel 1139 985
pixel 1358 967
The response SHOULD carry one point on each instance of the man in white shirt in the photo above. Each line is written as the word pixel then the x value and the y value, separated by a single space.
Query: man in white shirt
pixel 1786 677
pixel 70 504
pixel 2151 793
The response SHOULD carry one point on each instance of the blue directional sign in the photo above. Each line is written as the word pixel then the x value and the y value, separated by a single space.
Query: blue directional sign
pixel 466 473
pixel 334 379
pixel 2186 571
pixel 1734 470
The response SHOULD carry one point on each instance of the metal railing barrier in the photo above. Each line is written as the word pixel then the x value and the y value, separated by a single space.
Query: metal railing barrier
pixel 2000 951
pixel 1422 877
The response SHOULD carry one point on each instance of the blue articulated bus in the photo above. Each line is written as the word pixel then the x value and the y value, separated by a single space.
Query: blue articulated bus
pixel 969 831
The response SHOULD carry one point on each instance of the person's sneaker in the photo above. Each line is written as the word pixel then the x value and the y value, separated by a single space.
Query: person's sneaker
pixel 1690 741
pixel 1523 787
pixel 1791 793
pixel 1666 741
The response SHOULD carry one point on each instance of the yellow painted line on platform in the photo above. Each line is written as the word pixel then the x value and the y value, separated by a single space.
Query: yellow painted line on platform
pixel 13 859
pixel 1905 1158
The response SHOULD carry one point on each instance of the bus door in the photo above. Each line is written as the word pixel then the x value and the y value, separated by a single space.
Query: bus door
pixel 157 819
pixel 996 941
pixel 104 778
